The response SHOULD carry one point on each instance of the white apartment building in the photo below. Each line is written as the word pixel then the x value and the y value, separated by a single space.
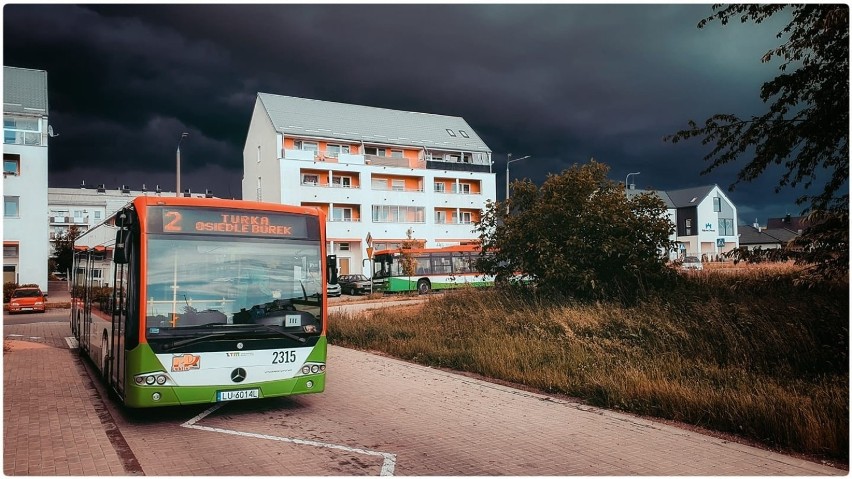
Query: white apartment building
pixel 25 138
pixel 88 206
pixel 374 172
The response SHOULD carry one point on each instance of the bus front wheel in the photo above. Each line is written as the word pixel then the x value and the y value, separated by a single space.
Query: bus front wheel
pixel 423 286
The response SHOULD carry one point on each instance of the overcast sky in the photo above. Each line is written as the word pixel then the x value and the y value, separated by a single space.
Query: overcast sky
pixel 560 82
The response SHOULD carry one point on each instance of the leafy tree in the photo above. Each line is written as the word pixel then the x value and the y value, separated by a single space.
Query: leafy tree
pixel 64 249
pixel 409 263
pixel 578 235
pixel 806 129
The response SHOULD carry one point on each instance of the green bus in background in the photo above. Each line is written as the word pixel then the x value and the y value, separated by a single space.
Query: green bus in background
pixel 211 300
pixel 431 268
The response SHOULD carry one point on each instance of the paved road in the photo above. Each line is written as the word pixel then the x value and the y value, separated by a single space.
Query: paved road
pixel 378 416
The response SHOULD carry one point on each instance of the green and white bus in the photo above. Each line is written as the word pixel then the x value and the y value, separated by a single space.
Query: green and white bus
pixel 430 268
pixel 210 300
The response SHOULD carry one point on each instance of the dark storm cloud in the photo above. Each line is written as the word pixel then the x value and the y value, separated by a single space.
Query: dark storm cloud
pixel 563 83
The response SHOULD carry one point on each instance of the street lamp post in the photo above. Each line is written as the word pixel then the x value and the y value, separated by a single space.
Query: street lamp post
pixel 508 162
pixel 177 186
pixel 626 182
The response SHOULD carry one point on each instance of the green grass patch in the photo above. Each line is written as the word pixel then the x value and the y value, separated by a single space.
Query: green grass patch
pixel 758 356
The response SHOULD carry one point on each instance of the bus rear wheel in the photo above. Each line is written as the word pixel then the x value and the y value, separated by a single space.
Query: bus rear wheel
pixel 105 359
pixel 423 286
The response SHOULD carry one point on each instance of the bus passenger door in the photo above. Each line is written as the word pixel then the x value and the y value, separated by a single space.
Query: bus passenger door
pixel 119 324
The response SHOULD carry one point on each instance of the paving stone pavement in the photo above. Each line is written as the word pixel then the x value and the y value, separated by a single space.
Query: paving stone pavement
pixel 436 423
pixel 52 425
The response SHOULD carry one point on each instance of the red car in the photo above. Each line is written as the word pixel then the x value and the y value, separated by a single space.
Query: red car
pixel 27 299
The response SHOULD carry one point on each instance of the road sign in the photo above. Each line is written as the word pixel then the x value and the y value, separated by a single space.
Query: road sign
pixel 720 242
pixel 370 252
pixel 369 239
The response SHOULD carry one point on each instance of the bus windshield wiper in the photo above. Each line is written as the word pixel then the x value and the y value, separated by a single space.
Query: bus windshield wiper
pixel 277 330
pixel 184 342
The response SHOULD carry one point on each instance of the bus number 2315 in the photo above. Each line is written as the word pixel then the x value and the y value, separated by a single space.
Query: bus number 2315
pixel 281 357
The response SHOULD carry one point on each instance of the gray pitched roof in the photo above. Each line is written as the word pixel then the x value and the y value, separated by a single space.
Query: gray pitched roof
pixel 661 194
pixel 684 197
pixel 750 235
pixel 315 118
pixel 24 91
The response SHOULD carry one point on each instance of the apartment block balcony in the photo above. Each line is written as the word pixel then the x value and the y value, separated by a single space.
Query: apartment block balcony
pixel 67 220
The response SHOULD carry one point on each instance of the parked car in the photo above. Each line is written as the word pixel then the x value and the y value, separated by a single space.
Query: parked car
pixel 692 263
pixel 332 289
pixel 27 299
pixel 354 284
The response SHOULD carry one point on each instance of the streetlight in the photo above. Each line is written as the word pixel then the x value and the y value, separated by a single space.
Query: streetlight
pixel 626 180
pixel 177 187
pixel 509 161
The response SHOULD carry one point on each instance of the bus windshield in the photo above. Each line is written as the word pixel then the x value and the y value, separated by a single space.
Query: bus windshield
pixel 203 281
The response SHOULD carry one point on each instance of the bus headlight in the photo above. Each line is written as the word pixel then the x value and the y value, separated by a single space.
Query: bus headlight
pixel 311 368
pixel 160 378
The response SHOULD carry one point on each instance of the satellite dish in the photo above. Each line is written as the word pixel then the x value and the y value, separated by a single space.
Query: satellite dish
pixel 50 132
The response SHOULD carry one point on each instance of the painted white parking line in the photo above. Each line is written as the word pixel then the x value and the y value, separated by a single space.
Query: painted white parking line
pixel 388 459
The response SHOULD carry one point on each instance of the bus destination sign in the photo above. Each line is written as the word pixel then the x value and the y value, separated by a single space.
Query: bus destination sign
pixel 224 222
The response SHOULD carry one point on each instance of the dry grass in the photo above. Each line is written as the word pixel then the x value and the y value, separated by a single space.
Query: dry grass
pixel 753 354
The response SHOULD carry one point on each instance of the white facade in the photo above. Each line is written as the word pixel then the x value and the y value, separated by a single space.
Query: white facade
pixel 25 137
pixel 87 207
pixel 369 181
pixel 706 223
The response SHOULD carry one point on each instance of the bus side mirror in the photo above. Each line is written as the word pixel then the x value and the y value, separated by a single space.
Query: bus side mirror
pixel 331 268
pixel 121 255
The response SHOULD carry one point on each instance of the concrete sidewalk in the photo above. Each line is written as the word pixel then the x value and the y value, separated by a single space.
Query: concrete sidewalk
pixel 54 423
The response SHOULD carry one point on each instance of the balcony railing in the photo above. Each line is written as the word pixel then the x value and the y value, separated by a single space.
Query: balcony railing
pixel 329 185
pixel 402 190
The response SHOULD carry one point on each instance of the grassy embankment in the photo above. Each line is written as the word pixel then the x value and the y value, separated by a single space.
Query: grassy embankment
pixel 746 353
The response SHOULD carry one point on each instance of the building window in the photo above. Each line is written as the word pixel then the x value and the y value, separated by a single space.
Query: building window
pixel 726 227
pixel 398 185
pixel 398 214
pixel 451 133
pixel 11 165
pixel 688 225
pixel 466 217
pixel 717 204
pixel 342 181
pixel 342 246
pixel 11 206
pixel 306 145
pixel 440 217
pixel 21 131
pixel 310 179
pixel 10 251
pixel 397 154
pixel 341 214
pixel 371 150
pixel 463 133
pixel 439 187
pixel 334 150
pixel 464 188
pixel 97 215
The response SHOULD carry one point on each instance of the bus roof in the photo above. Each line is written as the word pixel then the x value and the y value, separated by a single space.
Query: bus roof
pixel 464 248
pixel 224 203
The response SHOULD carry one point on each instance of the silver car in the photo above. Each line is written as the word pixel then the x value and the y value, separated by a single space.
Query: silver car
pixel 692 263
pixel 332 289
